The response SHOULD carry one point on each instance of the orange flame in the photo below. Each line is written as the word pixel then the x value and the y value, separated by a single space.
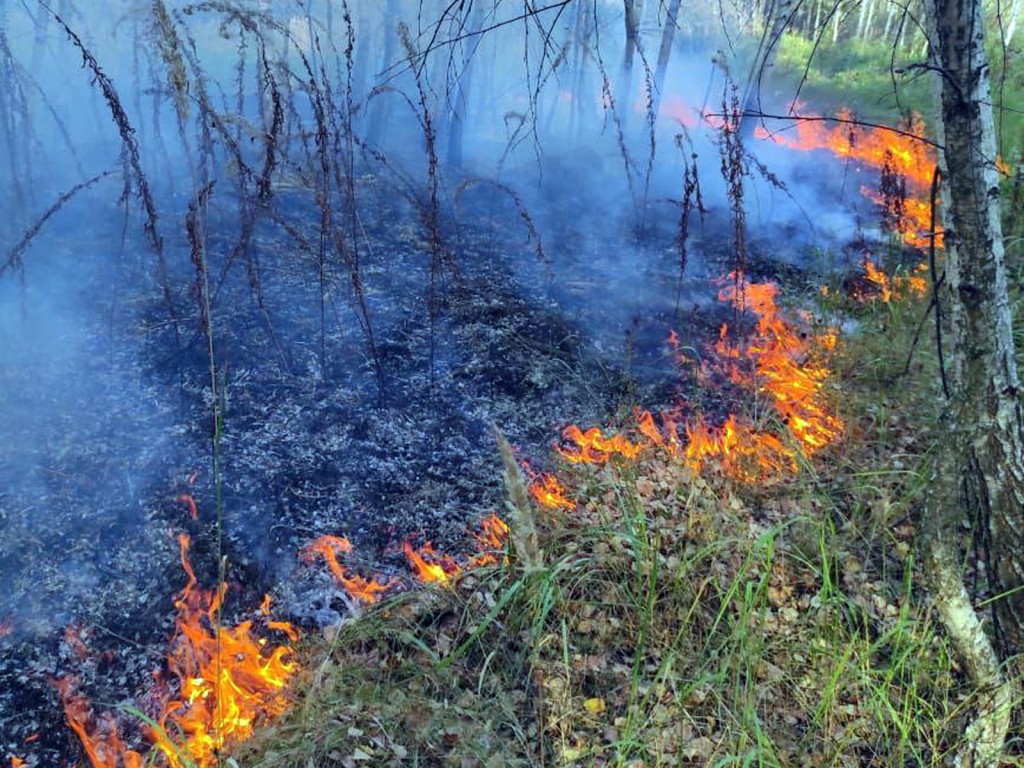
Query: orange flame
pixel 229 678
pixel 592 447
pixel 17 762
pixel 776 361
pixel 549 492
pixel 898 286
pixel 903 151
pixel 100 736
pixel 186 498
pixel 741 451
pixel 359 588
pixel 783 370
pixel 429 565
pixel 491 539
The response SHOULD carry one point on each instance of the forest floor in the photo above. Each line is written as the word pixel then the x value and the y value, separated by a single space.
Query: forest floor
pixel 669 617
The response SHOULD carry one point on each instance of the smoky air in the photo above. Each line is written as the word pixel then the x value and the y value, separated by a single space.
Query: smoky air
pixel 273 272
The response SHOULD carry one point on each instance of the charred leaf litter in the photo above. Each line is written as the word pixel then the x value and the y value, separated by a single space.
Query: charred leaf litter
pixel 111 426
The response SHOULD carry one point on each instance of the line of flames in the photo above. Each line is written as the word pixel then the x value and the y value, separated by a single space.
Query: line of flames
pixel 903 151
pixel 227 677
pixel 776 361
pixel 428 565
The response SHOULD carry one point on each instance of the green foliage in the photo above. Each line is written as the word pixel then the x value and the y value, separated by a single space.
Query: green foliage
pixel 864 76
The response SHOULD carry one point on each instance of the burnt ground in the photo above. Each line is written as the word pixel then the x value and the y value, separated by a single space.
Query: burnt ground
pixel 113 414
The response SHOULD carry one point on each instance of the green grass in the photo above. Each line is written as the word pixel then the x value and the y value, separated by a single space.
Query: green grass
pixel 675 620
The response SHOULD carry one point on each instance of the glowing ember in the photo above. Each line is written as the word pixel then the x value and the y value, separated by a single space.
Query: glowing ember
pixel 359 588
pixel 592 447
pixel 429 565
pixel 17 762
pixel 73 640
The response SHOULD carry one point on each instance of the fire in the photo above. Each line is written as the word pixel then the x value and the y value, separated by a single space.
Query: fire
pixel 431 566
pixel 904 149
pixel 100 736
pixel 491 539
pixel 548 492
pixel 186 498
pixel 229 678
pixel 898 286
pixel 17 762
pixel 903 153
pixel 592 447
pixel 777 362
pixel 359 588
pixel 782 363
pixel 741 451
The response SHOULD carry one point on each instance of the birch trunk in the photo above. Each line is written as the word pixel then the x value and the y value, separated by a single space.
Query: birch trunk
pixel 665 51
pixel 631 17
pixel 1011 25
pixel 982 461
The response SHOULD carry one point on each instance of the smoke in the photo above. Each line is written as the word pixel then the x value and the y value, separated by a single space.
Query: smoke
pixel 367 249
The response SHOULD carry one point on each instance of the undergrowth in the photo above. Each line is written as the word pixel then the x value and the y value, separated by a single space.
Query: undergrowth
pixel 674 619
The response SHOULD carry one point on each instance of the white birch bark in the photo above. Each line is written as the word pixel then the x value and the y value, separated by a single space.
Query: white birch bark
pixel 979 472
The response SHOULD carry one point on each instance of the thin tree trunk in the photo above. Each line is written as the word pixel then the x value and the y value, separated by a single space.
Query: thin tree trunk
pixel 459 90
pixel 631 18
pixel 380 106
pixel 777 20
pixel 665 51
pixel 1011 24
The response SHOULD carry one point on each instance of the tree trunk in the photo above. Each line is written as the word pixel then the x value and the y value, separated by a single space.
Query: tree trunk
pixel 987 403
pixel 665 51
pixel 380 106
pixel 632 11
pixel 458 90
pixel 984 452
pixel 1011 24
pixel 777 19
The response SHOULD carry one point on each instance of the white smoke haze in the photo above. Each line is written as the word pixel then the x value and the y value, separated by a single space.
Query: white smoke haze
pixel 528 277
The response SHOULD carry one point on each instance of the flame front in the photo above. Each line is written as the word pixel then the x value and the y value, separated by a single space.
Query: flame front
pixel 593 447
pixel 776 362
pixel 900 153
